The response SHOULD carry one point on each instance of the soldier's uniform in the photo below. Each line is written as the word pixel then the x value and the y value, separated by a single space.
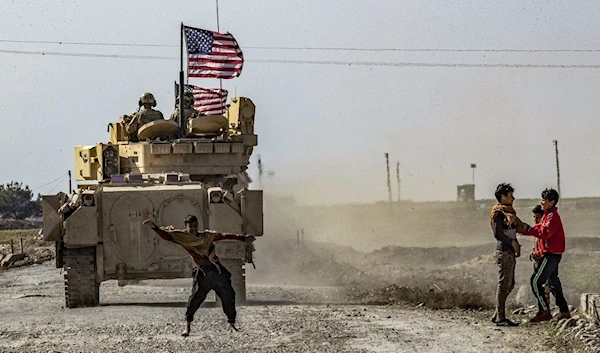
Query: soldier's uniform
pixel 188 108
pixel 144 116
pixel 189 114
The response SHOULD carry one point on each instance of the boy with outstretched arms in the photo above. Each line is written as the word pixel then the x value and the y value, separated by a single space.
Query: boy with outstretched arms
pixel 209 273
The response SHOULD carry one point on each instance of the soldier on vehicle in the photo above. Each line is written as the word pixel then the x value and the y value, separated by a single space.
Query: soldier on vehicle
pixel 209 274
pixel 188 108
pixel 143 116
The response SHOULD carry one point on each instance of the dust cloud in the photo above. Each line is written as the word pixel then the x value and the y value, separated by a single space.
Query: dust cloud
pixel 426 245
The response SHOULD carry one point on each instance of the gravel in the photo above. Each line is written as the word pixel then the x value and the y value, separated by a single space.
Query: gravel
pixel 148 317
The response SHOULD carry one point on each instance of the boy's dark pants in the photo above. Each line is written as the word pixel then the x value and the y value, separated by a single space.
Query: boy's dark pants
pixel 547 270
pixel 506 281
pixel 206 279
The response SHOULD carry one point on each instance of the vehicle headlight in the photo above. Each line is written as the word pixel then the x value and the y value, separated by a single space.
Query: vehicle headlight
pixel 215 195
pixel 88 200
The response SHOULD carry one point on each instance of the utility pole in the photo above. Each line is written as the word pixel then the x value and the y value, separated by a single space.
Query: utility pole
pixel 260 172
pixel 473 166
pixel 398 179
pixel 557 166
pixel 70 186
pixel 389 183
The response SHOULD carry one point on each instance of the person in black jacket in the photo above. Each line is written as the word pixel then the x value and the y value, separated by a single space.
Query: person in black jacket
pixel 504 223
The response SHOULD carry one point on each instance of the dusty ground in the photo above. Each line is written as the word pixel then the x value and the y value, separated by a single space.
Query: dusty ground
pixel 147 318
pixel 311 296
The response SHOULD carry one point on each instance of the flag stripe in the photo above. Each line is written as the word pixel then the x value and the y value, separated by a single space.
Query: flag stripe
pixel 220 56
pixel 214 66
pixel 220 60
pixel 213 74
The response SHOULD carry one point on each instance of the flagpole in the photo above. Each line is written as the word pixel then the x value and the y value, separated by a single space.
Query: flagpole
pixel 219 30
pixel 181 87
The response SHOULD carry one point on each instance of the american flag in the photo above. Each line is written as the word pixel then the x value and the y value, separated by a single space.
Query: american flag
pixel 212 54
pixel 210 101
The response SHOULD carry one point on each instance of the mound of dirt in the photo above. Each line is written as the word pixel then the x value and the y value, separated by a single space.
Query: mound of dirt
pixel 429 257
pixel 433 298
pixel 289 263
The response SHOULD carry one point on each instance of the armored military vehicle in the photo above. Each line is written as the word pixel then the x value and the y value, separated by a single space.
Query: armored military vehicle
pixel 200 171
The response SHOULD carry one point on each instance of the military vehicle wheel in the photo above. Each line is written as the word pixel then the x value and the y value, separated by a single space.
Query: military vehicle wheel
pixel 238 279
pixel 81 286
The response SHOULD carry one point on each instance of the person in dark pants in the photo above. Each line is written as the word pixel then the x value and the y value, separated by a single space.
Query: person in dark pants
pixel 538 213
pixel 551 244
pixel 209 274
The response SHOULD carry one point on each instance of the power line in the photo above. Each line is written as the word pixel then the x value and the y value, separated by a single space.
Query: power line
pixel 419 64
pixel 430 49
pixel 451 50
pixel 89 55
pixel 55 187
pixel 60 178
pixel 321 62
pixel 87 43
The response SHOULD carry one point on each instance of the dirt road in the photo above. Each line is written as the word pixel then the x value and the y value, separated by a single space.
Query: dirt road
pixel 148 318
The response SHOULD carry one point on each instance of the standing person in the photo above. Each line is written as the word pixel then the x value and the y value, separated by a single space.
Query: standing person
pixel 551 244
pixel 536 254
pixel 504 223
pixel 209 274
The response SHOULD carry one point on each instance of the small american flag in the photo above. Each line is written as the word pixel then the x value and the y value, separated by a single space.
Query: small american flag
pixel 212 54
pixel 210 101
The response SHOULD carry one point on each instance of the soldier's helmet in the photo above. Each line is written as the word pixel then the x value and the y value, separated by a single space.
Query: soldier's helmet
pixel 147 98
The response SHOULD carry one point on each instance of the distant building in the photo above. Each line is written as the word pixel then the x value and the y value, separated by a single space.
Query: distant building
pixel 465 192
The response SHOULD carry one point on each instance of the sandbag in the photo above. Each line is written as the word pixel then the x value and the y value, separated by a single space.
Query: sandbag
pixel 208 124
pixel 157 128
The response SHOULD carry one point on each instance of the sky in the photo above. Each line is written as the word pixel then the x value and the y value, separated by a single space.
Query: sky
pixel 323 129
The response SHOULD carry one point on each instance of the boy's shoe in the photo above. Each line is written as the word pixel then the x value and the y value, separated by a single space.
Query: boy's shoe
pixel 186 332
pixel 506 322
pixel 566 315
pixel 542 315
pixel 493 319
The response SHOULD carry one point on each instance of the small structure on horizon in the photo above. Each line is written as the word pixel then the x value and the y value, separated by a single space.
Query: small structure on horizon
pixel 465 192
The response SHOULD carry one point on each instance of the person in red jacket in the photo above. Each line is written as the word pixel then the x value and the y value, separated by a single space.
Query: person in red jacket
pixel 550 245
pixel 538 213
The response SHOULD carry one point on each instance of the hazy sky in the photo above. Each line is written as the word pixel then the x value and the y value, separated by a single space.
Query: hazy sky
pixel 323 129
